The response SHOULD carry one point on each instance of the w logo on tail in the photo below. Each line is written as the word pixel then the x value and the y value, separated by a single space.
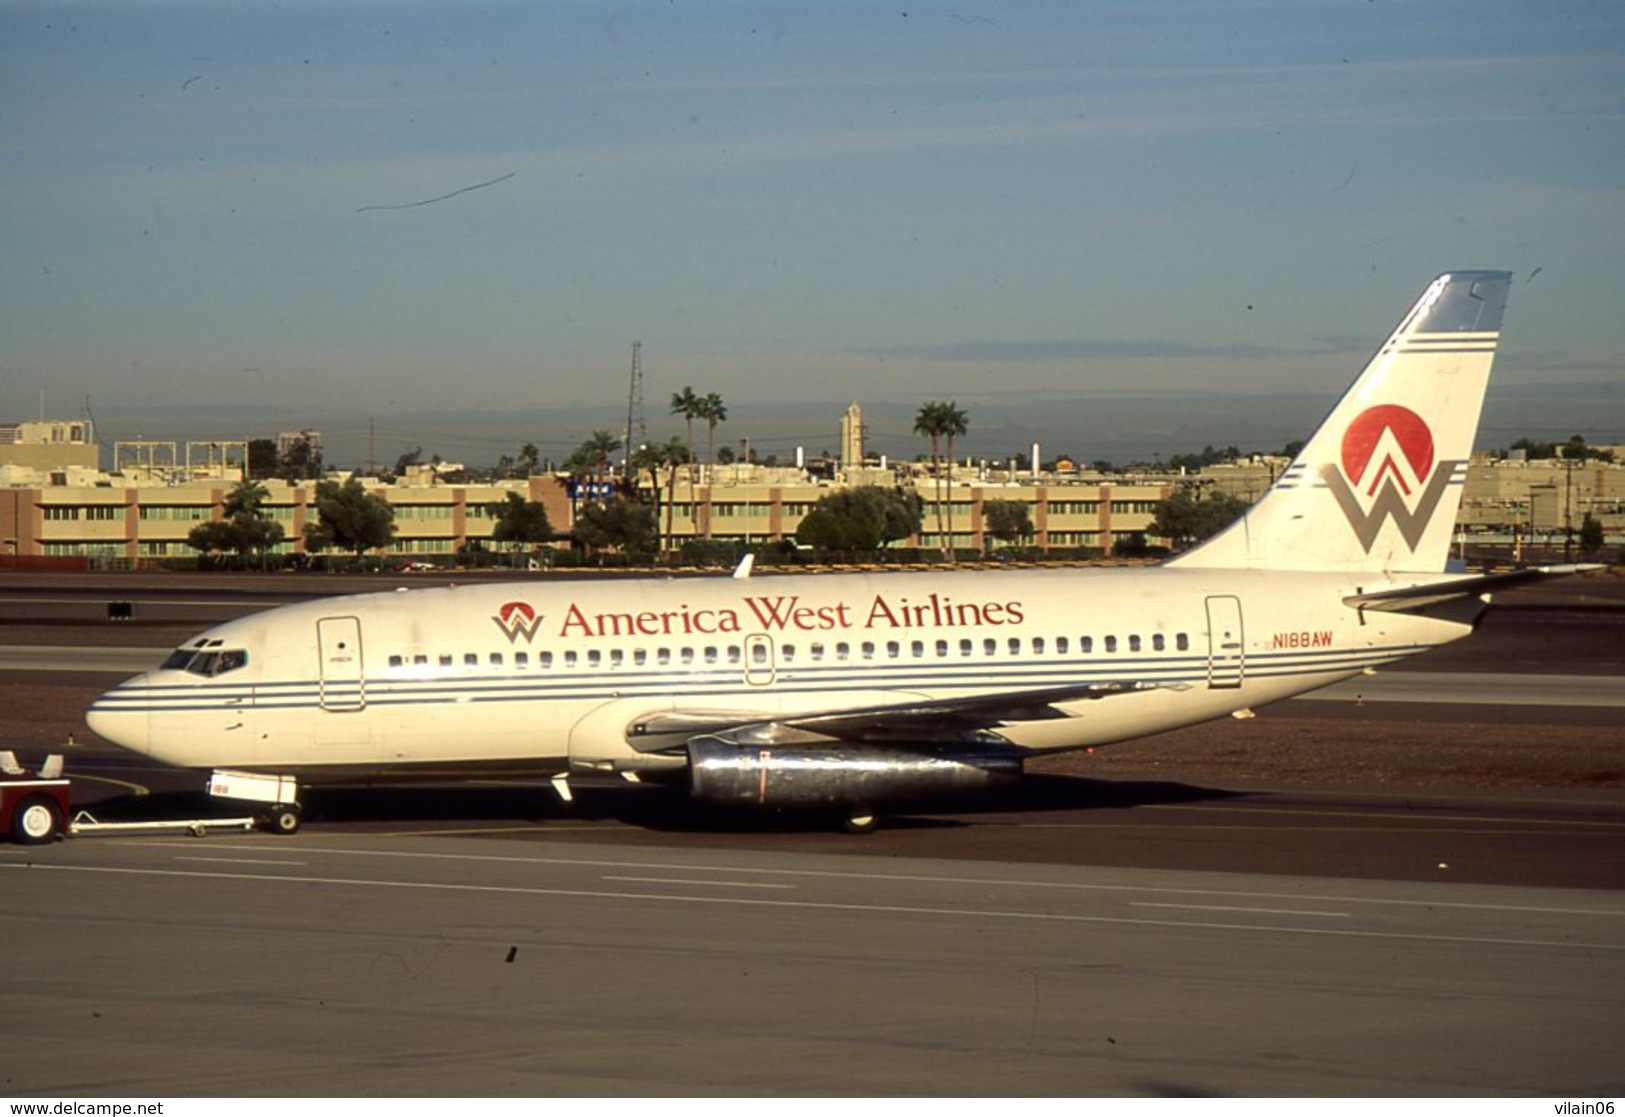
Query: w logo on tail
pixel 1387 472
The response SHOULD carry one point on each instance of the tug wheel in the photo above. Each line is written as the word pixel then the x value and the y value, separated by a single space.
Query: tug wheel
pixel 36 820
pixel 284 819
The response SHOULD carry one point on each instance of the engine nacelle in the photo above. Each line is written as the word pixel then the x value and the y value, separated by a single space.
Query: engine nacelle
pixel 814 775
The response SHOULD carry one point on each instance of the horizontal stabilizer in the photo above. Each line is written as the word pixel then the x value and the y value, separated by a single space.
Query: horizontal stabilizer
pixel 1420 598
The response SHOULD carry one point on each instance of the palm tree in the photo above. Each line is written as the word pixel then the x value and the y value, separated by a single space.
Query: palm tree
pixel 713 411
pixel 655 457
pixel 689 406
pixel 954 422
pixel 601 445
pixel 931 422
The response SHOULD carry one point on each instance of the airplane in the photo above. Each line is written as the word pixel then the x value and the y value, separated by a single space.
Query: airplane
pixel 850 693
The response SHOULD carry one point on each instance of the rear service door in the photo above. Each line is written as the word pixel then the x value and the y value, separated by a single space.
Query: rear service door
pixel 1226 650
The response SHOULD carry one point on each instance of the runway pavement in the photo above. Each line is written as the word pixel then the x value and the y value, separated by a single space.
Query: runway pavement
pixel 328 964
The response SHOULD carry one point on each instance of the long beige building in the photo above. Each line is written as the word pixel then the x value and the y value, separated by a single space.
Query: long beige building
pixel 55 504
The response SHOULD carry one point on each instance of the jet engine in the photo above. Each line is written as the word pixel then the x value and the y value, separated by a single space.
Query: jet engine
pixel 809 775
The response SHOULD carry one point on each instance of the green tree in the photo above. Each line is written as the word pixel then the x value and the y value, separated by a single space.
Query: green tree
pixel 1592 537
pixel 1007 520
pixel 616 524
pixel 244 529
pixel 519 522
pixel 530 457
pixel 864 518
pixel 1187 517
pixel 350 517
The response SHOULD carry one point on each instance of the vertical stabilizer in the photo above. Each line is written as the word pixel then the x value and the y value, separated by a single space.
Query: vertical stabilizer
pixel 1378 486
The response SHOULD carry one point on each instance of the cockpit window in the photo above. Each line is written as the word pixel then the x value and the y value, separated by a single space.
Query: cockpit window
pixel 207 663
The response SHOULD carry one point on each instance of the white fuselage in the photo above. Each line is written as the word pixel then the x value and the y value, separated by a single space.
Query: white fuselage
pixel 546 677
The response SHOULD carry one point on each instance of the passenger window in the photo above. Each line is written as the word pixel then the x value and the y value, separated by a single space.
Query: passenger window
pixel 733 654
pixel 990 646
pixel 570 659
pixel 1060 645
pixel 868 648
pixel 942 648
pixel 1157 644
pixel 1111 644
pixel 396 661
pixel 496 659
pixel 471 659
pixel 758 653
pixel 1086 644
pixel 1038 645
pixel 616 657
pixel 1182 642
pixel 917 649
pixel 816 651
pixel 788 653
pixel 967 647
pixel 545 660
pixel 687 655
pixel 1015 645
pixel 1133 643
pixel 663 656
pixel 893 649
pixel 710 655
pixel 445 661
pixel 640 657
pixel 521 659
pixel 843 650
pixel 420 661
pixel 594 658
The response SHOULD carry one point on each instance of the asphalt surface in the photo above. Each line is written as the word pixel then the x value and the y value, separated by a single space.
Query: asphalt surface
pixel 344 964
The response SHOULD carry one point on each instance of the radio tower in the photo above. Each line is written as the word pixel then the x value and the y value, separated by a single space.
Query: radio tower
pixel 634 409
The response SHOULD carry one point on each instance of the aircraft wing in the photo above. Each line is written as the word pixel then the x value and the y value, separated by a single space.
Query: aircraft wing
pixel 924 719
pixel 1421 598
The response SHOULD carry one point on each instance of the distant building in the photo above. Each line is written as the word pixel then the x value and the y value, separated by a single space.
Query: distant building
pixel 852 439
pixel 49 444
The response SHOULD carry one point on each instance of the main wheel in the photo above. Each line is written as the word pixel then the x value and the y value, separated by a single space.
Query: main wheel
pixel 284 819
pixel 36 820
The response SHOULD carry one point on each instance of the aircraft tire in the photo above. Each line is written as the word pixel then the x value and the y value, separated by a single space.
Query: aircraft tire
pixel 36 820
pixel 284 819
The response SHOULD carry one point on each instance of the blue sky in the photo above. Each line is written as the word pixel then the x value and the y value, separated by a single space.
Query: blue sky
pixel 1113 226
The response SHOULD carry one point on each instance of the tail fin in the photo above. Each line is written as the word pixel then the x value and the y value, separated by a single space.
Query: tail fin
pixel 1378 486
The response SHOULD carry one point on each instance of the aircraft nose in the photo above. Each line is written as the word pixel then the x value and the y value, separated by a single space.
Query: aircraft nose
pixel 120 716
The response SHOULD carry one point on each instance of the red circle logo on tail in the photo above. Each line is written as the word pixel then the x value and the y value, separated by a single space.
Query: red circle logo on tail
pixel 1365 436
